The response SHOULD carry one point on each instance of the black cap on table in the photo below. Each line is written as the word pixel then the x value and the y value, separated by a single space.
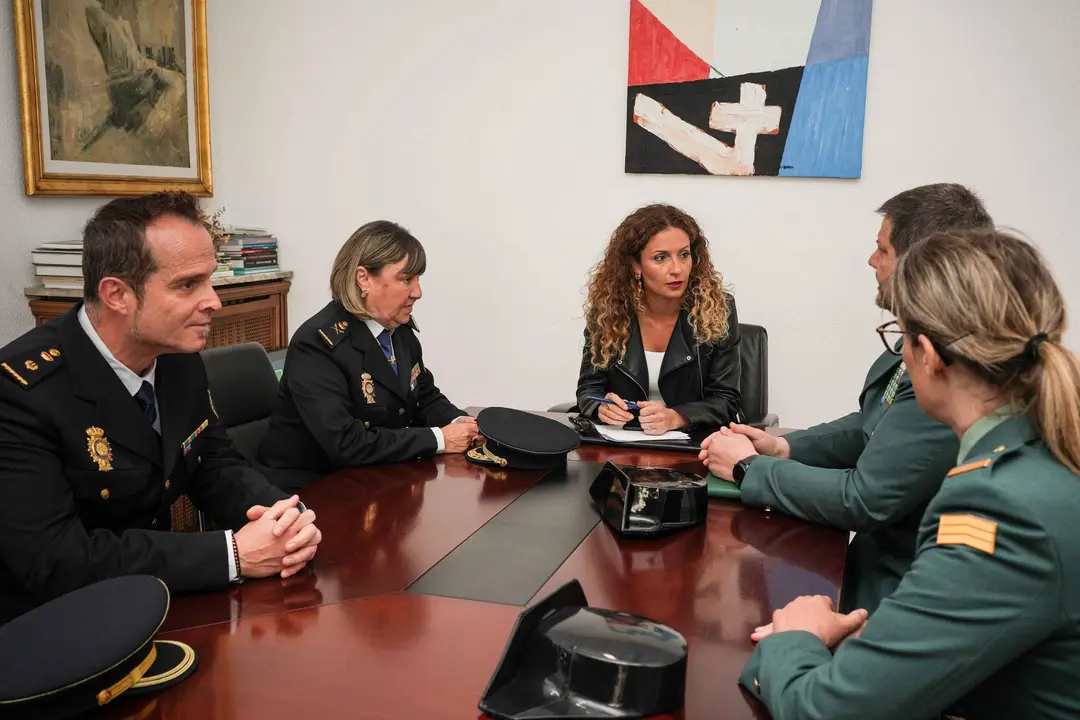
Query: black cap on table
pixel 521 441
pixel 82 650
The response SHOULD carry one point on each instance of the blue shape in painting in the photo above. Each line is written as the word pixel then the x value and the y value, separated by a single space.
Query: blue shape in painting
pixel 826 133
pixel 825 139
pixel 842 31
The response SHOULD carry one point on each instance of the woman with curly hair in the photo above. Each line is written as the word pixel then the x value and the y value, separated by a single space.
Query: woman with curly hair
pixel 659 329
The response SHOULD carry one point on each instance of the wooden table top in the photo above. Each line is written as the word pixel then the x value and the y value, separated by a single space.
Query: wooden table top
pixel 345 640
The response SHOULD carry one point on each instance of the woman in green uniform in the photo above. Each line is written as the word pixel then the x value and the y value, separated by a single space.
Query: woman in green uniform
pixel 986 624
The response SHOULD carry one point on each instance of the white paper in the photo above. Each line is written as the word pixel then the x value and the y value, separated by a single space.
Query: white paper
pixel 618 434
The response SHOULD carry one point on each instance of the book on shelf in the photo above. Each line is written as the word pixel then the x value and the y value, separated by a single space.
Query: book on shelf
pixel 253 262
pixel 63 245
pixel 56 279
pixel 256 270
pixel 73 259
pixel 245 230
pixel 59 270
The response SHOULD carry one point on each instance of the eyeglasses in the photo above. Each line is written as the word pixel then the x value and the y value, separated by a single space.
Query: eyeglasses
pixel 892 336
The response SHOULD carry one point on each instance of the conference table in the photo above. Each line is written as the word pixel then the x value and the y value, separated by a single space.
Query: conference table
pixel 425 566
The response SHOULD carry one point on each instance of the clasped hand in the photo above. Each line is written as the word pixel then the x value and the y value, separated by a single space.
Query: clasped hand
pixel 277 540
pixel 655 418
pixel 729 445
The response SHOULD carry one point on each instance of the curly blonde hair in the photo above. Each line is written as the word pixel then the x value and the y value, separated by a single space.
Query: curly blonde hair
pixel 613 301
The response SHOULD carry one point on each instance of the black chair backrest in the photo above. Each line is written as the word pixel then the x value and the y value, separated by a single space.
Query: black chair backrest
pixel 244 386
pixel 754 357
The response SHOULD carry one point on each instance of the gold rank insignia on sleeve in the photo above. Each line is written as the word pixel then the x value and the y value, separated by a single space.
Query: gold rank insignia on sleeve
pixel 367 386
pixel 98 447
pixel 970 530
pixel 977 465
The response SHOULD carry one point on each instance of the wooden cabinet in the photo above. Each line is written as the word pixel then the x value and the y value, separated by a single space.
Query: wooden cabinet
pixel 254 308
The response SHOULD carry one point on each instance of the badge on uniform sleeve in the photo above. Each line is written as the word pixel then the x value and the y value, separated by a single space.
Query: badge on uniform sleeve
pixel 970 530
pixel 186 445
pixel 98 447
pixel 367 386
pixel 414 376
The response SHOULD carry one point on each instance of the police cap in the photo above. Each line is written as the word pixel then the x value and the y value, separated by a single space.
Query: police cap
pixel 521 440
pixel 81 650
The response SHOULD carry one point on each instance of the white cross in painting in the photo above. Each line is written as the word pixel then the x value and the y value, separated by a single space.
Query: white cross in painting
pixel 747 118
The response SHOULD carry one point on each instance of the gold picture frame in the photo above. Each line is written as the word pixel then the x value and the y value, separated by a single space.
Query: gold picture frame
pixel 112 121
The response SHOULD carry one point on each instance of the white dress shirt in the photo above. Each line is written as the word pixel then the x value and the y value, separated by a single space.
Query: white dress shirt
pixel 376 329
pixel 132 383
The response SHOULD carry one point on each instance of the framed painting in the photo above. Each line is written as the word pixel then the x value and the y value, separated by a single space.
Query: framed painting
pixel 744 87
pixel 115 98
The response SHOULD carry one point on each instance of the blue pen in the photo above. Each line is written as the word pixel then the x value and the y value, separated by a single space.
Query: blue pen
pixel 630 405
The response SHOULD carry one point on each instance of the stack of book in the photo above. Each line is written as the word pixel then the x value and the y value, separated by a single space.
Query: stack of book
pixel 58 265
pixel 250 250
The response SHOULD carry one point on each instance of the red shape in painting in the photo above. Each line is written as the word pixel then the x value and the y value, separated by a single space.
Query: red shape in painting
pixel 656 55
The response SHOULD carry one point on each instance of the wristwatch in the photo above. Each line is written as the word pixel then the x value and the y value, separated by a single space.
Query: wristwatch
pixel 739 471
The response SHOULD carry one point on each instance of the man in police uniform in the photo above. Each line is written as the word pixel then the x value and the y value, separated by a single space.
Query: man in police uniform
pixel 106 419
pixel 875 470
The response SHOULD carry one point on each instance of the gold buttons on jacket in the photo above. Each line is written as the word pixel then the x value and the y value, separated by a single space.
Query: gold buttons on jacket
pixel 367 424
pixel 166 483
pixel 401 411
pixel 757 686
pixel 768 508
pixel 105 493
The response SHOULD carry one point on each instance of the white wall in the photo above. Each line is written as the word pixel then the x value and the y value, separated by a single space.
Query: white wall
pixel 494 130
pixel 25 222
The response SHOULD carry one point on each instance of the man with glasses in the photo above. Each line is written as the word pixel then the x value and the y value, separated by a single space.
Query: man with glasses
pixel 873 471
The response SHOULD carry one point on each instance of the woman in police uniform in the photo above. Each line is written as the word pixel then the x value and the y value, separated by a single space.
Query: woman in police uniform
pixel 355 390
pixel 659 329
pixel 986 623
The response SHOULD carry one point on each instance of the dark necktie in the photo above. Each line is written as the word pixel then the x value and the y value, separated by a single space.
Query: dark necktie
pixel 388 349
pixel 145 398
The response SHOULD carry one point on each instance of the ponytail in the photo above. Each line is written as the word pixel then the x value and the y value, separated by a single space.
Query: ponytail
pixel 1056 406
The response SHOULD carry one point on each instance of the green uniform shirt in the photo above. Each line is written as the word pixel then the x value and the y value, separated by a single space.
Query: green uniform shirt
pixel 873 471
pixel 986 624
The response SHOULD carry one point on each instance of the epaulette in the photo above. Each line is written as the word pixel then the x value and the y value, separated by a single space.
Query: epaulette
pixel 27 369
pixel 982 463
pixel 333 333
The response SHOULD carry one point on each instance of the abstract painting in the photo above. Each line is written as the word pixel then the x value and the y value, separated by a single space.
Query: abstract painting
pixel 744 87
pixel 114 96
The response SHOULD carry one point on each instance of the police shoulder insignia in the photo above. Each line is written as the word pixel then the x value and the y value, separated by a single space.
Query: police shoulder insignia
pixel 971 530
pixel 977 465
pixel 332 334
pixel 28 368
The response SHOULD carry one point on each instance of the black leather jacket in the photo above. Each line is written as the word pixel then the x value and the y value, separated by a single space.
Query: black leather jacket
pixel 701 382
